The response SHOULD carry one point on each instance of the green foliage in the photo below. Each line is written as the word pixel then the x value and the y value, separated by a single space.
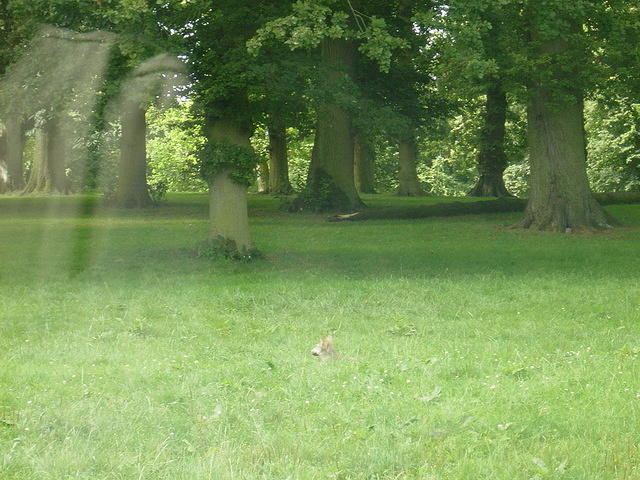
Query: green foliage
pixel 216 157
pixel 613 132
pixel 300 150
pixel 173 140
pixel 311 21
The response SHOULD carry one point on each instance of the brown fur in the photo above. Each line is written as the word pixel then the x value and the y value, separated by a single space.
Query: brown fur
pixel 324 348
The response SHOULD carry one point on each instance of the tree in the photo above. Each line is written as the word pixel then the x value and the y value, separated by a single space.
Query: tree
pixel 342 33
pixel 49 160
pixel 364 156
pixel 475 43
pixel 215 38
pixel 560 198
pixel 492 159
pixel 56 75
pixel 153 79
pixel 13 146
pixel 279 183
pixel 550 52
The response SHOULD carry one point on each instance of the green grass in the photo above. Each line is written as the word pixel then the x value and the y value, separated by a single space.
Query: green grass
pixel 467 350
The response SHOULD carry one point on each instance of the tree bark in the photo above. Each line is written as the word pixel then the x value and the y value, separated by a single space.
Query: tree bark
pixel 330 185
pixel 229 220
pixel 14 160
pixel 364 165
pixel 560 199
pixel 47 174
pixel 279 183
pixel 408 183
pixel 133 190
pixel 492 160
pixel 263 177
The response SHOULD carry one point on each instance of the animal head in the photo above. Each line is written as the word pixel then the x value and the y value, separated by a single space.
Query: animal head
pixel 324 348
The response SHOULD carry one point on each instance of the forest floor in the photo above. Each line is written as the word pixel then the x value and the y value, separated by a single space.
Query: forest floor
pixel 466 350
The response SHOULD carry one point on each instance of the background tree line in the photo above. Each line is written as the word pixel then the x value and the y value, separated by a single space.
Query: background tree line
pixel 326 99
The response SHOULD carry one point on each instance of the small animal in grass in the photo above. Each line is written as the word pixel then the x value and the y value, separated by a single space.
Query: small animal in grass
pixel 324 349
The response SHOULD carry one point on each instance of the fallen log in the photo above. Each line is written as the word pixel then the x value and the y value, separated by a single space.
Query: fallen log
pixel 450 209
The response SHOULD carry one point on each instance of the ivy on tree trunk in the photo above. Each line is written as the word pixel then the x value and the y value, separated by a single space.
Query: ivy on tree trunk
pixel 228 216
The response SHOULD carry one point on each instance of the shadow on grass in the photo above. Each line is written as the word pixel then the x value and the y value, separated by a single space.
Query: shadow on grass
pixel 82 238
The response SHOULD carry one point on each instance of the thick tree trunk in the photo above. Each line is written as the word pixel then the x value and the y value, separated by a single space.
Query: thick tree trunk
pixel 229 220
pixel 492 160
pixel 408 183
pixel 263 177
pixel 278 162
pixel 560 199
pixel 47 174
pixel 364 165
pixel 133 190
pixel 14 161
pixel 330 185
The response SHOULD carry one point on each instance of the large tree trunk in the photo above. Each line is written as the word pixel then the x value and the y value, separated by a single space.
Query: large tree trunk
pixel 278 162
pixel 364 165
pixel 560 199
pixel 229 220
pixel 14 161
pixel 47 174
pixel 133 190
pixel 330 184
pixel 408 183
pixel 492 160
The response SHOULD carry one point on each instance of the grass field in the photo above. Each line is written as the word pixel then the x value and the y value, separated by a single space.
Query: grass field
pixel 467 350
